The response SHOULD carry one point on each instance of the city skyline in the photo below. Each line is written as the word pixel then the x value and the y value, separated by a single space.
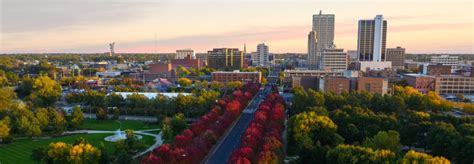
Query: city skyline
pixel 162 26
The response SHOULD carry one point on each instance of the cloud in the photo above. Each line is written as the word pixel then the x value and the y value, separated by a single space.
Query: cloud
pixel 25 15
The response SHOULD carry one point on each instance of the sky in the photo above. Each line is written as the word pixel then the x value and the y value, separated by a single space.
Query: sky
pixel 159 26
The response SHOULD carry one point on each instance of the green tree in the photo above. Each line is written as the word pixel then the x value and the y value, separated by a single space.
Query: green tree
pixel 58 120
pixel 343 154
pixel 4 128
pixel 441 136
pixel 101 114
pixel 45 91
pixel 77 117
pixel 184 82
pixel 417 157
pixel 388 140
pixel 114 100
pixel 178 123
pixel 42 115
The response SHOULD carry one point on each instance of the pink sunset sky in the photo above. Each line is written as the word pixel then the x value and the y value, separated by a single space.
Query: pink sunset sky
pixel 151 26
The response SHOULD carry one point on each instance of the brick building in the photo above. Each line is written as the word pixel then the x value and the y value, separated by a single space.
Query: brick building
pixel 438 69
pixel 335 85
pixel 187 62
pixel 372 85
pixel 422 83
pixel 160 68
pixel 396 56
pixel 225 77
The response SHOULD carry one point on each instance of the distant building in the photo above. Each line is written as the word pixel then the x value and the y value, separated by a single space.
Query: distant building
pixel 396 56
pixel 152 95
pixel 322 33
pixel 438 69
pixel 335 85
pixel 352 54
pixel 181 54
pixel 225 58
pixel 389 73
pixel 370 65
pixel 420 82
pixel 372 85
pixel 108 74
pixel 160 68
pixel 372 39
pixel 294 74
pixel 314 58
pixel 334 59
pixel 262 55
pixel 454 85
pixel 472 71
pixel 187 62
pixel 225 77
pixel 447 60
pixel 306 82
pixel 254 58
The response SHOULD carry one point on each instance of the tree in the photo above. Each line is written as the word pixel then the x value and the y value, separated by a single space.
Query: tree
pixel 216 85
pixel 441 136
pixel 178 123
pixel 43 117
pixel 101 114
pixel 388 140
pixel 45 91
pixel 4 128
pixel 58 121
pixel 355 154
pixel 114 100
pixel 77 117
pixel 417 157
pixel 234 84
pixel 7 97
pixel 184 82
pixel 29 126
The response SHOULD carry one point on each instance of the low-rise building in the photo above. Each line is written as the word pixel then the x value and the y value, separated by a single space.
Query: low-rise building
pixel 225 77
pixel 372 85
pixel 335 85
pixel 438 69
pixel 187 62
pixel 160 68
pixel 454 85
pixel 306 82
pixel 389 73
pixel 447 60
pixel 422 83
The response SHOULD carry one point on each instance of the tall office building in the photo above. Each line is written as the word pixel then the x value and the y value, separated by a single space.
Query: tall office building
pixel 313 58
pixel 225 58
pixel 262 55
pixel 372 38
pixel 323 31
pixel 181 54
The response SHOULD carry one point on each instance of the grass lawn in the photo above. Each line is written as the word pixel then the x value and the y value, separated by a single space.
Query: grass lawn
pixel 20 150
pixel 93 124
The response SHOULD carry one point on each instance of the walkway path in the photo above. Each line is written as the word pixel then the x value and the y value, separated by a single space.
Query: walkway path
pixel 158 139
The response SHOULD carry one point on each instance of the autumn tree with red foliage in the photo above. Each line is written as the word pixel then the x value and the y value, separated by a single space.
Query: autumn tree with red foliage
pixel 193 144
pixel 261 142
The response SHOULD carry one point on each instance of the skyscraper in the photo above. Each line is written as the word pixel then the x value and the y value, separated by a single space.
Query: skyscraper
pixel 323 28
pixel 313 58
pixel 372 38
pixel 262 55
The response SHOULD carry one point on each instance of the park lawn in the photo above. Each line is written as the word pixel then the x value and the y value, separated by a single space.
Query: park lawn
pixel 20 150
pixel 112 125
